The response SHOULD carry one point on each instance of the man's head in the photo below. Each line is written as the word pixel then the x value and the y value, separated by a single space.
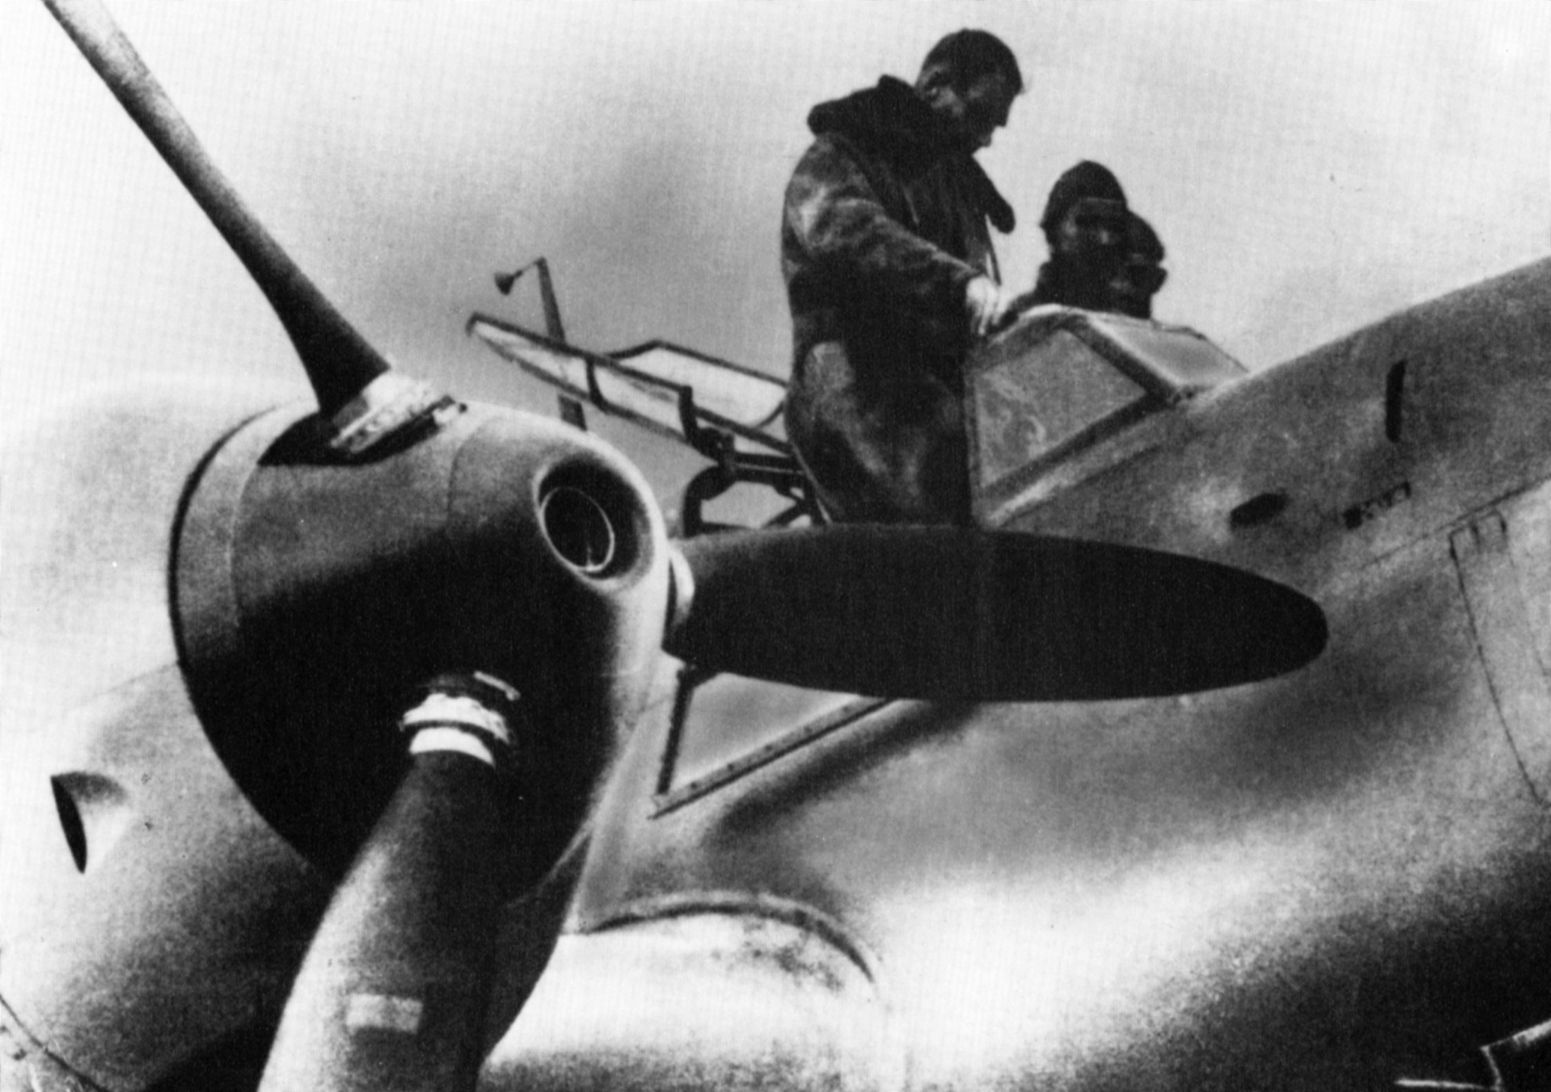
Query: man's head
pixel 1086 210
pixel 1085 228
pixel 969 79
pixel 1142 274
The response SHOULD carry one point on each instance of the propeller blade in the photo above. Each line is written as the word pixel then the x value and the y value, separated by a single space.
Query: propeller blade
pixel 393 992
pixel 949 614
pixel 339 361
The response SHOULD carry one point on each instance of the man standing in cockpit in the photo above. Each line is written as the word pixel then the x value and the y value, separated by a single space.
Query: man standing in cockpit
pixel 890 274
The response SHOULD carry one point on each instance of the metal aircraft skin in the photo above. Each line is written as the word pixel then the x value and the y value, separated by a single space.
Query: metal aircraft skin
pixel 212 610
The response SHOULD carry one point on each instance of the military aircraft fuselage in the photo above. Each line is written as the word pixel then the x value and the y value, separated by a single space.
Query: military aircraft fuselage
pixel 1327 878
pixel 1331 879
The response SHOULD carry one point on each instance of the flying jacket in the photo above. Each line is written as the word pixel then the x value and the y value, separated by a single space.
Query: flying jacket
pixel 885 221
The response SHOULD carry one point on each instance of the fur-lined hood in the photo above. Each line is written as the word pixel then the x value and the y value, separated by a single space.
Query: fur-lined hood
pixel 892 120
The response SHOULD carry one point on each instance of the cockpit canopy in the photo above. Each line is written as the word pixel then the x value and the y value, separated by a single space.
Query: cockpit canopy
pixel 1044 390
pixel 1063 378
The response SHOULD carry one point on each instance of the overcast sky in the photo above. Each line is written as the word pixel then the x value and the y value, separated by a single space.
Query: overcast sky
pixel 1309 167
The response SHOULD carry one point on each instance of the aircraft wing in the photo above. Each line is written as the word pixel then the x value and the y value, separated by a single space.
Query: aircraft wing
pixel 664 388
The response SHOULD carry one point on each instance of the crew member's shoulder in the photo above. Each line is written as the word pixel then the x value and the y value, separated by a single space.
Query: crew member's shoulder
pixel 834 158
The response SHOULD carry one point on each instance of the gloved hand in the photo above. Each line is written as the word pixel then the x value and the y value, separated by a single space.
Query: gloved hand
pixel 986 305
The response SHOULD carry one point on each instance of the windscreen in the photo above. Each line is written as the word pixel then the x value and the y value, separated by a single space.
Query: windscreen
pixel 1029 403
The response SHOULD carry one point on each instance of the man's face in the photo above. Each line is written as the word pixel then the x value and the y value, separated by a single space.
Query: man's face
pixel 1135 283
pixel 1093 231
pixel 976 111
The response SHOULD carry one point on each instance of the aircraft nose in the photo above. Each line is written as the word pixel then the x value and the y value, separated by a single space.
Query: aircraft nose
pixel 503 543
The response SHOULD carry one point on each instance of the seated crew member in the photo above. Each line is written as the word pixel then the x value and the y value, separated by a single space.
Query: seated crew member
pixel 891 276
pixel 1085 230
pixel 1141 275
